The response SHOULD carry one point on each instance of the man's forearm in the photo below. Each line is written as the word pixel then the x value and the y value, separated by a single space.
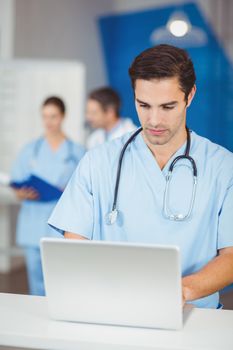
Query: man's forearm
pixel 217 274
pixel 70 235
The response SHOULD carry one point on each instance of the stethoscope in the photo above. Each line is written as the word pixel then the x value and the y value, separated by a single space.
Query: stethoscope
pixel 113 214
pixel 69 158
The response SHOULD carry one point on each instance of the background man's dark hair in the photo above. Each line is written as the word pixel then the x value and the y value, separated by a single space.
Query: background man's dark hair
pixel 107 97
pixel 164 61
pixel 56 101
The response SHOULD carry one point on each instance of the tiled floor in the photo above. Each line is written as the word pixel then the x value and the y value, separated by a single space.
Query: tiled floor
pixel 227 299
pixel 14 282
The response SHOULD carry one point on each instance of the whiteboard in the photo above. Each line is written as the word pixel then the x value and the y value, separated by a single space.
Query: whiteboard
pixel 24 85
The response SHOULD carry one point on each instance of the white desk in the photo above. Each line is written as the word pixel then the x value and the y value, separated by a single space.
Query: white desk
pixel 24 322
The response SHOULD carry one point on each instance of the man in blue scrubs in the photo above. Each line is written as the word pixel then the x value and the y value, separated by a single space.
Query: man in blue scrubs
pixel 163 80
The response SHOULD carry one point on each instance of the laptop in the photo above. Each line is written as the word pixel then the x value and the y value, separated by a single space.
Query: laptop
pixel 113 283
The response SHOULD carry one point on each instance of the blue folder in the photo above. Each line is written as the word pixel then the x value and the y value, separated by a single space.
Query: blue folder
pixel 46 191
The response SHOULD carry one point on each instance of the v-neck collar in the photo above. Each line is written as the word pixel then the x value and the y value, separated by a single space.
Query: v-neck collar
pixel 152 167
pixel 146 150
pixel 56 151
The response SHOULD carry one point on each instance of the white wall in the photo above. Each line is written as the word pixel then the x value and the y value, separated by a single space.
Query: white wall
pixel 62 29
pixel 6 28
pixel 137 5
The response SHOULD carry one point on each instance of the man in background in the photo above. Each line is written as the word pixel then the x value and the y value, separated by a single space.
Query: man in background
pixel 103 114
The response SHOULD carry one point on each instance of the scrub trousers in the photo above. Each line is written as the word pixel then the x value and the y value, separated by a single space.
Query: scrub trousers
pixel 34 271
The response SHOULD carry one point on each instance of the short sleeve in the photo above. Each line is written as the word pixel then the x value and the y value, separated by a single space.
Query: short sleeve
pixel 78 150
pixel 225 227
pixel 21 167
pixel 74 211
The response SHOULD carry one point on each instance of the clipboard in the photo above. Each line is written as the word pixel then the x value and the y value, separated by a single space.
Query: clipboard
pixel 46 191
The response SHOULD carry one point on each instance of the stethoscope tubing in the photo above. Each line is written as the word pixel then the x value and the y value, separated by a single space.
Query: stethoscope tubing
pixel 177 217
pixel 38 144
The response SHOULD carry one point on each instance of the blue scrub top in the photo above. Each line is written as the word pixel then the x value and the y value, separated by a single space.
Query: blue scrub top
pixel 56 167
pixel 88 198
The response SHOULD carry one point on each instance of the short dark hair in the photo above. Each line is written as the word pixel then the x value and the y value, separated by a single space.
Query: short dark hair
pixel 107 97
pixel 56 101
pixel 164 61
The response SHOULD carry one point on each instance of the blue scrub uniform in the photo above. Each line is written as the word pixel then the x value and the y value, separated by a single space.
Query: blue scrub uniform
pixel 88 198
pixel 56 167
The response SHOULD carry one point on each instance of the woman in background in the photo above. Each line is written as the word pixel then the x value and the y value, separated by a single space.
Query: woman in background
pixel 52 158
